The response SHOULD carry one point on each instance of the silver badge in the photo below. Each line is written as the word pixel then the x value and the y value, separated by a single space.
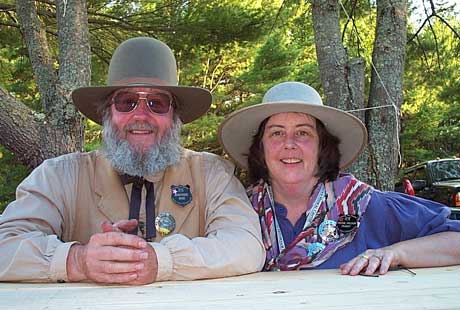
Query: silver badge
pixel 165 223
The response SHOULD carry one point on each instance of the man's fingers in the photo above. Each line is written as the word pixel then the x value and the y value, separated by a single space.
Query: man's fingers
pixel 106 226
pixel 118 239
pixel 126 225
pixel 111 267
pixel 120 226
pixel 120 278
pixel 114 253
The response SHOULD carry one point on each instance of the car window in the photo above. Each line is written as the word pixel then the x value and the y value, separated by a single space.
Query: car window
pixel 446 170
pixel 420 174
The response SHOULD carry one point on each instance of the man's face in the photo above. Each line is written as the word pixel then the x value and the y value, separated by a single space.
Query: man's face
pixel 141 127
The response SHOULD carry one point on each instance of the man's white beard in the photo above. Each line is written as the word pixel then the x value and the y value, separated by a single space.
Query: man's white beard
pixel 126 159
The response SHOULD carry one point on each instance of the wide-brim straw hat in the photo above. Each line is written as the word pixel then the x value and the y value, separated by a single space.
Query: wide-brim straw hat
pixel 143 62
pixel 237 131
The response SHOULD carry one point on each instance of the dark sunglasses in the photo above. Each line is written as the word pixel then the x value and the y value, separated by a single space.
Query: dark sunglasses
pixel 159 102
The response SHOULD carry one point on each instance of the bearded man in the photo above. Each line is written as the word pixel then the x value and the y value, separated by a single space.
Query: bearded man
pixel 143 208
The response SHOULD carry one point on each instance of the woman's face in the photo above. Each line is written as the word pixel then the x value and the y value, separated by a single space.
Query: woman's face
pixel 291 146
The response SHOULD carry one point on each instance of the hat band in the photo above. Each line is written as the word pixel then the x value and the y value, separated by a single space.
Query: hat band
pixel 142 81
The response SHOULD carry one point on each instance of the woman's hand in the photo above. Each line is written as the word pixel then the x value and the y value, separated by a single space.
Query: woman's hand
pixel 371 261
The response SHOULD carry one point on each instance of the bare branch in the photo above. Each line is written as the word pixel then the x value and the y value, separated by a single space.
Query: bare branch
pixel 419 29
pixel 448 25
pixel 434 13
pixel 276 17
pixel 425 56
pixel 10 25
pixel 433 8
pixel 7 7
pixel 219 62
pixel 435 43
pixel 349 17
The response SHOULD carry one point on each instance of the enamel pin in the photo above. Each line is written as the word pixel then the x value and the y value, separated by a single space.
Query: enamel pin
pixel 181 194
pixel 347 222
pixel 328 231
pixel 165 223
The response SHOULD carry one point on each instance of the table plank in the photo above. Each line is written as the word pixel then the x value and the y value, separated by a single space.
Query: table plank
pixel 431 288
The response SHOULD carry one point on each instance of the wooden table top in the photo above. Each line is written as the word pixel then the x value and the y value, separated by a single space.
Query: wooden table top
pixel 430 288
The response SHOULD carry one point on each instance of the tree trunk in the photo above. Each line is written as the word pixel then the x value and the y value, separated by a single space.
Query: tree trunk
pixel 31 136
pixel 386 89
pixel 342 79
pixel 343 83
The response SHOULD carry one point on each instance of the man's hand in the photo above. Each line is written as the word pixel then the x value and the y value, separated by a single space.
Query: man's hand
pixel 112 257
pixel 149 273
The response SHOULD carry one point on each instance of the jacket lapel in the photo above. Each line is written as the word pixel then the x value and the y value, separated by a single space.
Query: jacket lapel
pixel 178 174
pixel 113 201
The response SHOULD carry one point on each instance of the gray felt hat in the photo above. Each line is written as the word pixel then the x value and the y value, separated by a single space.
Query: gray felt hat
pixel 143 62
pixel 237 130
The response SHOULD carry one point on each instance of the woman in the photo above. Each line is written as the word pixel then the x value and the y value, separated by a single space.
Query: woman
pixel 313 216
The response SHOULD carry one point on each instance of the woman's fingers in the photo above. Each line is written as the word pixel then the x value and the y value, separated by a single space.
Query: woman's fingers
pixel 369 263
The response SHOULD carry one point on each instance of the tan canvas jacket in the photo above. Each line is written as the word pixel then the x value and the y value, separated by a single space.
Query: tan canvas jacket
pixel 66 198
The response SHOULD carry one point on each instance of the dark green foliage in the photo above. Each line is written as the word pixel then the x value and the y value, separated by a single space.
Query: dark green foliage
pixel 201 135
pixel 93 136
pixel 15 70
pixel 11 173
pixel 431 112
pixel 239 49
pixel 273 63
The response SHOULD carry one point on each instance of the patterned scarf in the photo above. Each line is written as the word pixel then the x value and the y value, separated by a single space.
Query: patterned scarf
pixel 334 212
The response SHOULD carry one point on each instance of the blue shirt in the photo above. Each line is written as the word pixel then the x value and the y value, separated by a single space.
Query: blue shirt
pixel 390 218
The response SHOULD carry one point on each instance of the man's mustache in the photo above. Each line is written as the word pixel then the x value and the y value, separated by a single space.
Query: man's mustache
pixel 140 125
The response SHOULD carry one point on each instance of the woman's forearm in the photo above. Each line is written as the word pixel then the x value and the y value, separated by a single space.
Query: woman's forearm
pixel 440 249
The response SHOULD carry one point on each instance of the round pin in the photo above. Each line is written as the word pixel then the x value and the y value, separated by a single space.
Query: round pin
pixel 315 248
pixel 165 223
pixel 347 222
pixel 328 231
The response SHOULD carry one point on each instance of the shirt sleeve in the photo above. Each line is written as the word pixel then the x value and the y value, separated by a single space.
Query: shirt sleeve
pixel 30 227
pixel 233 242
pixel 403 217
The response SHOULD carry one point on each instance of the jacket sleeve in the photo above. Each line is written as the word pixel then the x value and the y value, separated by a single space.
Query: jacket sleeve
pixel 233 243
pixel 31 226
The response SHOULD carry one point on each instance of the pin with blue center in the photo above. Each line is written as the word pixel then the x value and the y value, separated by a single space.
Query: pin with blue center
pixel 328 231
pixel 181 194
pixel 315 248
pixel 165 223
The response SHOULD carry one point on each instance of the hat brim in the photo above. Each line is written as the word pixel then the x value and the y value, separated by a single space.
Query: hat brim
pixel 192 102
pixel 237 131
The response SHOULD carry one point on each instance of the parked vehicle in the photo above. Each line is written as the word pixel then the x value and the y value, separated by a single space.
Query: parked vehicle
pixel 437 180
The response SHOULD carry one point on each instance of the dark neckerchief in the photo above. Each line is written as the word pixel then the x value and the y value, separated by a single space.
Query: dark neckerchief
pixel 135 203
